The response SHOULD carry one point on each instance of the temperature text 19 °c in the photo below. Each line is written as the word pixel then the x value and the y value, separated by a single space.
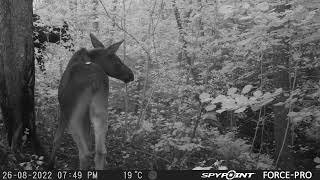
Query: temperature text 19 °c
pixel 132 175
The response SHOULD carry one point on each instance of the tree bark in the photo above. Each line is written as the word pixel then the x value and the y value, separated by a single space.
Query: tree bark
pixel 17 75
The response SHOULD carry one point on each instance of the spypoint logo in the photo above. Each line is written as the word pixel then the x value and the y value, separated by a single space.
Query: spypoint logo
pixel 232 174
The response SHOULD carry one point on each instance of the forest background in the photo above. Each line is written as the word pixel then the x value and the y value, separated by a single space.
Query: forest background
pixel 219 84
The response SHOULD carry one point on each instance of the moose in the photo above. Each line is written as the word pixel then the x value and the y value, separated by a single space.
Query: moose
pixel 51 34
pixel 83 98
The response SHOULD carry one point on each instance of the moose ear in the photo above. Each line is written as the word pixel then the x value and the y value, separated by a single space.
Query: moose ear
pixel 114 47
pixel 95 42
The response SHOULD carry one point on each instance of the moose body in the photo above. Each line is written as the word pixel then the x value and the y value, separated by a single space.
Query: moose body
pixel 83 94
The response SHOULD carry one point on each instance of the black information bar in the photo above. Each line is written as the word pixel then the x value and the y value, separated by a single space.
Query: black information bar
pixel 157 175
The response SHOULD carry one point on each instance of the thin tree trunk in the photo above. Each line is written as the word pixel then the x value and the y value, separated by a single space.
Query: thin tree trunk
pixel 282 126
pixel 148 60
pixel 114 9
pixel 282 130
pixel 183 53
pixel 17 72
pixel 95 23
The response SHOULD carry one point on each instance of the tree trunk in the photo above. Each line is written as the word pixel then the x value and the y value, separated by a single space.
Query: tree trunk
pixel 95 23
pixel 17 72
pixel 183 54
pixel 282 130
pixel 282 126
pixel 114 10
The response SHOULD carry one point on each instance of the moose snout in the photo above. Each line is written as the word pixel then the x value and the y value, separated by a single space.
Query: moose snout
pixel 129 78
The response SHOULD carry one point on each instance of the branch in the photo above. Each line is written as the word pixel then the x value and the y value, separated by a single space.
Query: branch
pixel 125 31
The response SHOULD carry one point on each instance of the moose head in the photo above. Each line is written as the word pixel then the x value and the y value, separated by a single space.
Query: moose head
pixel 109 61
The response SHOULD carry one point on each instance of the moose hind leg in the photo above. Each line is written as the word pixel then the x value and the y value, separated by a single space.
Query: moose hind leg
pixel 56 144
pixel 97 116
pixel 80 130
pixel 83 149
pixel 57 140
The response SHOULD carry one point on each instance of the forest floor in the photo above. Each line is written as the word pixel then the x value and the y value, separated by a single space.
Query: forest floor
pixel 120 154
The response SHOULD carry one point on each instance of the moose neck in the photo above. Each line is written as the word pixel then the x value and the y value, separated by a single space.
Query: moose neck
pixel 97 56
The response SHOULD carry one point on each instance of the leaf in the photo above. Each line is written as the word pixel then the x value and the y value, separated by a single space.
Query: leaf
pixel 255 107
pixel 232 91
pixel 253 99
pixel 24 138
pixel 22 164
pixel 282 67
pixel 28 166
pixel 126 156
pixel 210 107
pixel 52 92
pixel 263 6
pixel 244 42
pixel 246 89
pixel 297 119
pixel 242 100
pixel 240 110
pixel 257 94
pixel 219 98
pixel 277 91
pixel 147 126
pixel 267 102
pixel 292 114
pixel 202 168
pixel 205 97
pixel 279 104
pixel 316 160
pixel 220 111
pixel 262 165
pixel 187 147
pixel 210 116
pixel 229 104
pixel 267 95
pixel 222 168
